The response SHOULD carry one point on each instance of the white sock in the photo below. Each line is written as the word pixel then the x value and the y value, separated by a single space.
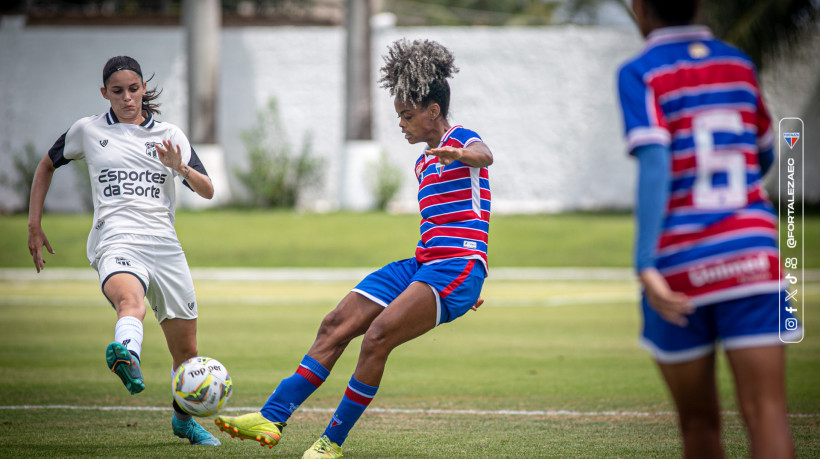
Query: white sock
pixel 128 331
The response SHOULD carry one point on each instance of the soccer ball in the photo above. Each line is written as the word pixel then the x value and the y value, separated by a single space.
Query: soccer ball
pixel 201 386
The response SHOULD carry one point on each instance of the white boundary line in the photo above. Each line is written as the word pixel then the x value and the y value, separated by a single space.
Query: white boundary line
pixel 567 413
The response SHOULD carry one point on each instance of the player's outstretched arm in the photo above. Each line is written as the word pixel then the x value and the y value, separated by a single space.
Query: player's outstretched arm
pixel 36 236
pixel 477 154
pixel 171 156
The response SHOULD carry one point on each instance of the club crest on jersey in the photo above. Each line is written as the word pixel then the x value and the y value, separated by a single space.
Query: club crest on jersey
pixel 151 149
pixel 698 50
pixel 439 168
pixel 791 138
pixel 419 168
pixel 104 142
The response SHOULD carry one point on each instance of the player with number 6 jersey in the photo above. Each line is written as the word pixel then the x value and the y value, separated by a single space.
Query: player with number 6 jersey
pixel 706 250
pixel 699 98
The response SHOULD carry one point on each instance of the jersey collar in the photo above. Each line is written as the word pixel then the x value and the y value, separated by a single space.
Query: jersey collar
pixel 678 34
pixel 112 119
pixel 446 136
pixel 441 142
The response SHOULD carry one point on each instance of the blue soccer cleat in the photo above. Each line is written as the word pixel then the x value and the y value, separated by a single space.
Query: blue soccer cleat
pixel 195 433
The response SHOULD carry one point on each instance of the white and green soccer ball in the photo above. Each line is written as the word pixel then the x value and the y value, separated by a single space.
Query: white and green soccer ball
pixel 202 386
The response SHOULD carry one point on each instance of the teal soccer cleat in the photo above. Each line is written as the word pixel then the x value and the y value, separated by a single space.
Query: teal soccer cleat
pixel 195 433
pixel 126 366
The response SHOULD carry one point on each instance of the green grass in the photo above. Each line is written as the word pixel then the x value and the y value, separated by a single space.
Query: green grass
pixel 243 238
pixel 515 353
pixel 253 238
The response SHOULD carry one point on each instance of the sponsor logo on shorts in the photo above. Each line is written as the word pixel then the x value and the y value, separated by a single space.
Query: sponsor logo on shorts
pixel 122 261
pixel 192 305
pixel 104 142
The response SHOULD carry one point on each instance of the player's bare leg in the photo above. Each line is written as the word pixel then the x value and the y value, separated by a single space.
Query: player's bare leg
pixel 126 293
pixel 694 391
pixel 409 316
pixel 180 335
pixel 761 393
pixel 350 319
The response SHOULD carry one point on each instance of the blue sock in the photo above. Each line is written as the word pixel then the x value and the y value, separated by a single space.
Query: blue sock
pixel 293 391
pixel 357 396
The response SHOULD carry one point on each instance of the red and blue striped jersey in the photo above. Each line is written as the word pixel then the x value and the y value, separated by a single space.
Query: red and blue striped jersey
pixel 454 201
pixel 700 98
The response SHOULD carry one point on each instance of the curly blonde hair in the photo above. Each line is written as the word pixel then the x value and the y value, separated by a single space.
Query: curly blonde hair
pixel 417 72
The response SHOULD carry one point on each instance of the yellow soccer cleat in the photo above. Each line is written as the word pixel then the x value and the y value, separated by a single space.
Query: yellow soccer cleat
pixel 322 449
pixel 251 426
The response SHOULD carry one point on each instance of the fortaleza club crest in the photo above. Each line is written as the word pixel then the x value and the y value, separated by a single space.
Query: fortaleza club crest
pixel 151 149
pixel 791 138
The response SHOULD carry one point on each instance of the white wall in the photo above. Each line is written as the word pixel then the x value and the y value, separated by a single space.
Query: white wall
pixel 542 98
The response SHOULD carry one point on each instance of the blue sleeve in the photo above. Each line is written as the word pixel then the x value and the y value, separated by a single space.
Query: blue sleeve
pixel 642 125
pixel 765 158
pixel 654 171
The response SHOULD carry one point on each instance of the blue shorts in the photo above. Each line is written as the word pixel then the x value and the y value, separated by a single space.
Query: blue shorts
pixel 456 282
pixel 742 323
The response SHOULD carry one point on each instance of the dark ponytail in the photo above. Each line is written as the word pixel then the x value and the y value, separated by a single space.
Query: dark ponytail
pixel 117 63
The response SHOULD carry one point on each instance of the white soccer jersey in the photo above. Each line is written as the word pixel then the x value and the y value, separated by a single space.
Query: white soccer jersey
pixel 133 191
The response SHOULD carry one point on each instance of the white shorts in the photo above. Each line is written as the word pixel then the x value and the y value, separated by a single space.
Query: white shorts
pixel 160 265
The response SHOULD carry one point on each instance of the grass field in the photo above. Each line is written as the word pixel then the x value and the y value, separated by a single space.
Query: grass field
pixel 546 368
pixel 234 238
pixel 518 378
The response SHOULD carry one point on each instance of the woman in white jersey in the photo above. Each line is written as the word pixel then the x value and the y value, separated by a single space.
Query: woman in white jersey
pixel 133 160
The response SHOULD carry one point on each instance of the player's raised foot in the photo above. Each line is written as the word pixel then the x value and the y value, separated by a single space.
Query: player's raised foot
pixel 193 432
pixel 252 426
pixel 126 366
pixel 323 448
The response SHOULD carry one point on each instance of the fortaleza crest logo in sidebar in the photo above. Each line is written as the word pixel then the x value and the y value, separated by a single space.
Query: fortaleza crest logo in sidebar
pixel 791 138
pixel 151 149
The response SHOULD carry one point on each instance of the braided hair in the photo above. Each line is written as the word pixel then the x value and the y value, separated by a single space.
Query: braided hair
pixel 417 72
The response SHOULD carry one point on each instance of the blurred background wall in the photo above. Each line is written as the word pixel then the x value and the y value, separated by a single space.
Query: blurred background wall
pixel 542 97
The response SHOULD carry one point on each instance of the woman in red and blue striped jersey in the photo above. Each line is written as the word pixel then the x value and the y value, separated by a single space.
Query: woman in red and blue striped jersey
pixel 407 298
pixel 706 251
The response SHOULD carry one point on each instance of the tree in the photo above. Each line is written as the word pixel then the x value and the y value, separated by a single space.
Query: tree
pixel 761 28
